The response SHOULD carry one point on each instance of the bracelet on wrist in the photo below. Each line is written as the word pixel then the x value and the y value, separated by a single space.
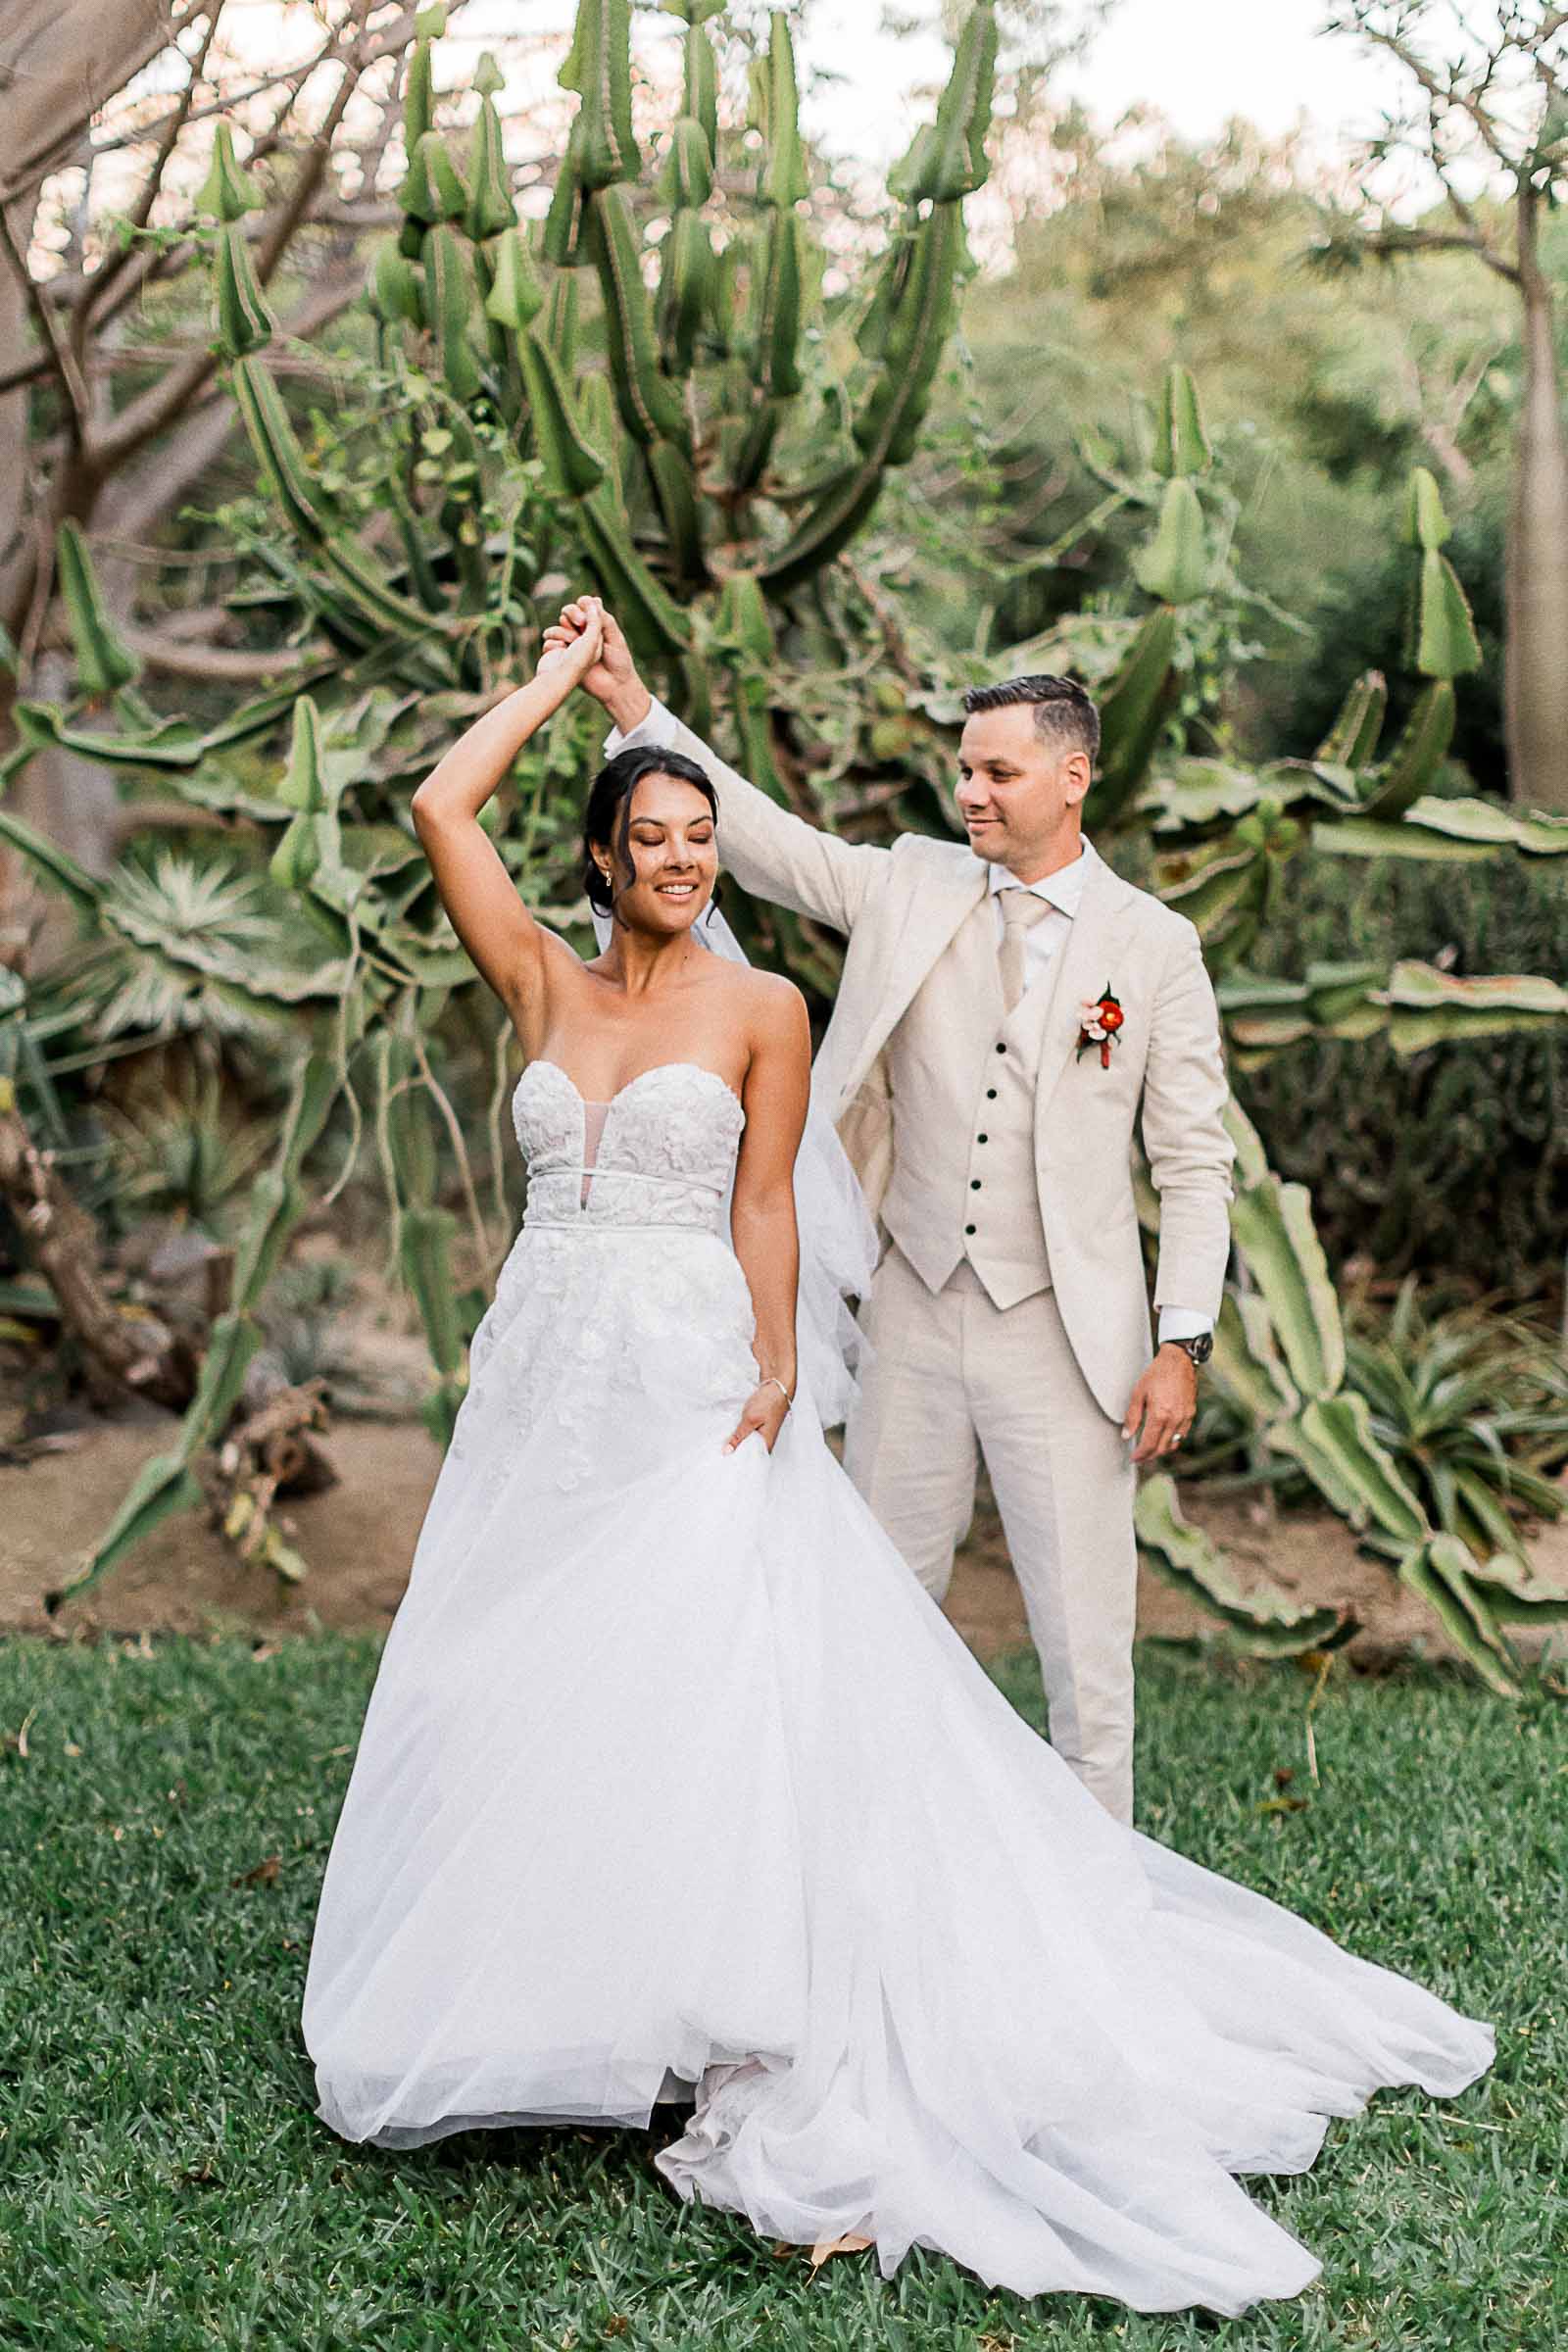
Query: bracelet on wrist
pixel 772 1380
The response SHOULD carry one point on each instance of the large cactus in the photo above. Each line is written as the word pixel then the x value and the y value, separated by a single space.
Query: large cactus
pixel 705 372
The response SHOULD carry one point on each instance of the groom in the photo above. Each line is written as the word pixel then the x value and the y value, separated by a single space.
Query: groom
pixel 1006 1010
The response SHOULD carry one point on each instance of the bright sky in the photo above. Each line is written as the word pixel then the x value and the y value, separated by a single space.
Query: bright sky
pixel 1199 61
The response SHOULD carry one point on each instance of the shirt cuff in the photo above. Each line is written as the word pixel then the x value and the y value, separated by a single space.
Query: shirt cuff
pixel 656 726
pixel 1181 1323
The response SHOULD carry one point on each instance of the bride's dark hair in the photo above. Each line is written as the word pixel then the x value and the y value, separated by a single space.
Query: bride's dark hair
pixel 606 819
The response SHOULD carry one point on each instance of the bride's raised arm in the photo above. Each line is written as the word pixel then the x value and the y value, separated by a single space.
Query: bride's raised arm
pixel 477 892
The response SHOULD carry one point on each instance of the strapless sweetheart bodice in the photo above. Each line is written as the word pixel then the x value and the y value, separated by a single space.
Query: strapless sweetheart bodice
pixel 661 1153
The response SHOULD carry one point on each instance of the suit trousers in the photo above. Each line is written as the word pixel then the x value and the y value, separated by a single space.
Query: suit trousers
pixel 953 1377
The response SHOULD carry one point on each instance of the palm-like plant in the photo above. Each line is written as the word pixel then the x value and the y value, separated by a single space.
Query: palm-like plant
pixel 1473 1408
pixel 184 1155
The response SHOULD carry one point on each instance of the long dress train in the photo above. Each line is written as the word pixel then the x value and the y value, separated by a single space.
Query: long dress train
pixel 673 1777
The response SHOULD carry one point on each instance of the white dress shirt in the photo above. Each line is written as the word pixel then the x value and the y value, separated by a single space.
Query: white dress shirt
pixel 1063 890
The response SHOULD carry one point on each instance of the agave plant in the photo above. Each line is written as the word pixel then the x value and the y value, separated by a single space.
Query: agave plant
pixel 1473 1407
pixel 1286 1368
pixel 183 1153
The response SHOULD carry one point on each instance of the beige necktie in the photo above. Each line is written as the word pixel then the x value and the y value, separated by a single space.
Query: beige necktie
pixel 1021 910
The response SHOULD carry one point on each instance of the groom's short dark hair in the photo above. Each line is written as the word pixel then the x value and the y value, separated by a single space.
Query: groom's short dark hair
pixel 1064 712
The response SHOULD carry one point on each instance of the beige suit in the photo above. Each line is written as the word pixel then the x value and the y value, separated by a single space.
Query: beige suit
pixel 1011 1309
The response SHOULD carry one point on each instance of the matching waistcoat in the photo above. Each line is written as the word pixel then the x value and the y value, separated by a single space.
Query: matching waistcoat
pixel 962 1074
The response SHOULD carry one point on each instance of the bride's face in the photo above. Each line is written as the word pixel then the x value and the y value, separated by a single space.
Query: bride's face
pixel 665 861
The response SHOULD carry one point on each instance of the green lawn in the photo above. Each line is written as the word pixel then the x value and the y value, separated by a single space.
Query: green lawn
pixel 164 2185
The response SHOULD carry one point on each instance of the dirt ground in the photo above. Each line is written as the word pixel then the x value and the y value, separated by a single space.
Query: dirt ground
pixel 359 1536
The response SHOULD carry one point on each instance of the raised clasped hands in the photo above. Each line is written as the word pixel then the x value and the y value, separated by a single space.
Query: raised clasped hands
pixel 572 654
pixel 611 676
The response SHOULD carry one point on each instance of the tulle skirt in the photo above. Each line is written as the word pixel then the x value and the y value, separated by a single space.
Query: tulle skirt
pixel 674 1778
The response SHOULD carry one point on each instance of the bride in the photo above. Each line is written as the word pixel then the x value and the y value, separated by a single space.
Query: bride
pixel 674 1784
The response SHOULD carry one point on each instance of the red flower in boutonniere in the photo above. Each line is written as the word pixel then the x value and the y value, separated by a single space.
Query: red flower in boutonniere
pixel 1101 1025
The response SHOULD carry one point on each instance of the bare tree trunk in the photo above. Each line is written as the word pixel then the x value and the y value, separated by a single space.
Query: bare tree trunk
pixel 1537 655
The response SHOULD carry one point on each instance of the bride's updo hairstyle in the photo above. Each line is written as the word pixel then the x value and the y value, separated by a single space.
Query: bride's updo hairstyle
pixel 607 821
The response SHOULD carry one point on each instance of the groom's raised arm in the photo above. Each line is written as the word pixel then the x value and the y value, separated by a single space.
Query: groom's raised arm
pixel 768 849
pixel 770 852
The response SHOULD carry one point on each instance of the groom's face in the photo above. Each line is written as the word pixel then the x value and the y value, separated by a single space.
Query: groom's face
pixel 1018 791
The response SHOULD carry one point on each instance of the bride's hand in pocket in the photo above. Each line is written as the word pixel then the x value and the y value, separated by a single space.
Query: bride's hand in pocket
pixel 765 1412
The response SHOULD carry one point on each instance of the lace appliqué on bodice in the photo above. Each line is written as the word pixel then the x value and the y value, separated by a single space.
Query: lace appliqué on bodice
pixel 663 1155
pixel 620 1288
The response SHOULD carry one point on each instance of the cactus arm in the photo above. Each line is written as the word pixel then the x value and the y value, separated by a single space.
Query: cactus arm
pixel 652 620
pixel 948 158
pixel 598 67
pixel 104 662
pixel 572 467
pixel 888 426
pixel 649 401
pixel 776 855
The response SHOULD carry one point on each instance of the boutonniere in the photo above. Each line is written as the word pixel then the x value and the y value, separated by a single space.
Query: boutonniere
pixel 1100 1026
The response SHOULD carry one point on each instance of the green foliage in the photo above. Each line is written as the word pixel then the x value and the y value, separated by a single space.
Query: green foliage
pixel 1436 1162
pixel 1475 1408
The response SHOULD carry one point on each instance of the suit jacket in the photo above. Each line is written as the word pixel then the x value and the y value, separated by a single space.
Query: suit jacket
pixel 899 908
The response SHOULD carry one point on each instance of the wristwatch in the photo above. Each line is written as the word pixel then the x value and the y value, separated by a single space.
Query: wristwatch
pixel 1200 1348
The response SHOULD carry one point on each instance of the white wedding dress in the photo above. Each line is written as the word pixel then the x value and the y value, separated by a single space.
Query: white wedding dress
pixel 675 1778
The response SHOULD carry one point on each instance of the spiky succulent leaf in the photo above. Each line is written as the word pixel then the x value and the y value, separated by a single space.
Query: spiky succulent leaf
pixel 227 193
pixel 1333 1441
pixel 650 405
pixel 742 625
pixel 243 322
pixel 562 239
pixel 570 463
pixel 675 490
pixel 779 304
pixel 419 97
pixel 160 1488
pixel 302 786
pixel 1180 445
pixel 1132 712
pixel 1436 1579
pixel 396 289
pixel 1265 1619
pixel 104 661
pixel 652 620
pixel 1418 756
pixel 1425 524
pixel 277 450
pixel 1271 1223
